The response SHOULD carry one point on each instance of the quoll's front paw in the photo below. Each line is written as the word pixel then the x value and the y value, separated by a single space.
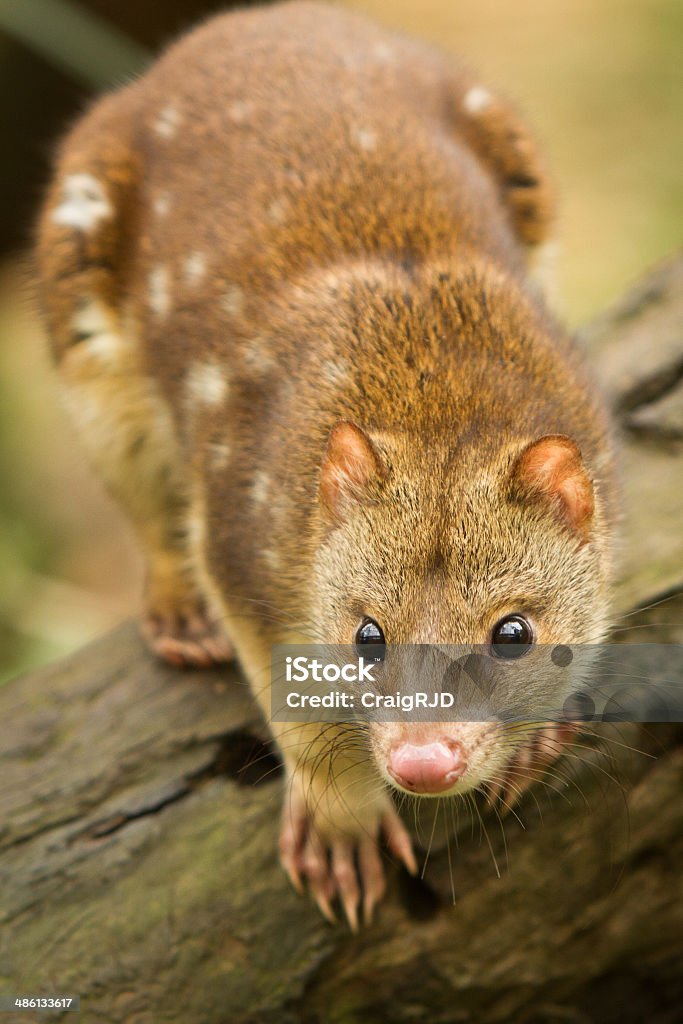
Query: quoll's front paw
pixel 342 861
pixel 531 764
pixel 182 632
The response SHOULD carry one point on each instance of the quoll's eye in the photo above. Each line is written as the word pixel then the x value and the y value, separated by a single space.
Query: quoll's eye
pixel 370 633
pixel 512 637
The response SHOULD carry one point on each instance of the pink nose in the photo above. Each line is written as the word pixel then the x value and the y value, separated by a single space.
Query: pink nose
pixel 430 768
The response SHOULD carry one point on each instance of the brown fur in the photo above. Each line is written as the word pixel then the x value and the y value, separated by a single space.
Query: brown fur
pixel 309 225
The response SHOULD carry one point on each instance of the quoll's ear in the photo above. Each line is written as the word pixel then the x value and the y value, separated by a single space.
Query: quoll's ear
pixel 351 463
pixel 552 470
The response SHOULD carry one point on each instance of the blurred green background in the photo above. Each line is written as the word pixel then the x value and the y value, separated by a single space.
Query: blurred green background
pixel 599 79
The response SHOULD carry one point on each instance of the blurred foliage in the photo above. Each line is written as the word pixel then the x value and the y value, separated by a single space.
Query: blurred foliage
pixel 27 543
pixel 67 563
pixel 601 82
pixel 27 538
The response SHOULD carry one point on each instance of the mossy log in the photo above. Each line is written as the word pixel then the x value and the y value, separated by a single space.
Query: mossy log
pixel 139 811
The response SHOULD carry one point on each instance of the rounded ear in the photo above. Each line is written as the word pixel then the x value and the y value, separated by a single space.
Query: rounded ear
pixel 351 463
pixel 551 470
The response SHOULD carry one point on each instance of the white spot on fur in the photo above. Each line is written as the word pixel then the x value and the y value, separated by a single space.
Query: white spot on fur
pixel 276 211
pixel 383 52
pixel 233 300
pixel 365 138
pixel 196 528
pixel 92 318
pixel 95 329
pixel 206 384
pixel 272 558
pixel 260 488
pixel 162 204
pixel 330 280
pixel 168 122
pixel 220 453
pixel 335 371
pixel 195 268
pixel 297 178
pixel 106 347
pixel 239 111
pixel 84 203
pixel 257 355
pixel 159 291
pixel 476 99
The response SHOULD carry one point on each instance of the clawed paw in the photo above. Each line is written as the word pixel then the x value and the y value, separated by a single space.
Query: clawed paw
pixel 185 636
pixel 341 868
pixel 529 764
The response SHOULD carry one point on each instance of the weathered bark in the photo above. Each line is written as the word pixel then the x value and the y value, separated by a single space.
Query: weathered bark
pixel 137 858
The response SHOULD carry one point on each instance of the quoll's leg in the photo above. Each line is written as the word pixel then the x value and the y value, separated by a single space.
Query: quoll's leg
pixel 335 816
pixel 179 624
pixel 336 811
pixel 123 420
pixel 128 435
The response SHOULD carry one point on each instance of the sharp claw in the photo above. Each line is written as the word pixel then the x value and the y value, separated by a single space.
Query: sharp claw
pixel 324 905
pixel 320 889
pixel 512 796
pixel 291 868
pixel 344 868
pixel 495 793
pixel 221 650
pixel 198 655
pixel 295 879
pixel 316 872
pixel 344 873
pixel 551 740
pixel 372 877
pixel 523 759
pixel 509 794
pixel 398 840
pixel 351 911
pixel 544 748
pixel 291 842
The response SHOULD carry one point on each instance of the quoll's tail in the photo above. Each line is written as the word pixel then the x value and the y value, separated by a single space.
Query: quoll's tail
pixel 502 140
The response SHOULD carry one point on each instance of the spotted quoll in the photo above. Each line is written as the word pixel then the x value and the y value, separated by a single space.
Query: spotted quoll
pixel 286 279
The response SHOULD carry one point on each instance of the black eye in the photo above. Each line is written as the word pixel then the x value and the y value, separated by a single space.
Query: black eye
pixel 512 637
pixel 370 633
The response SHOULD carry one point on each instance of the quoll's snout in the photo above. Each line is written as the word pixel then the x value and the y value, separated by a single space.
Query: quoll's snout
pixel 427 767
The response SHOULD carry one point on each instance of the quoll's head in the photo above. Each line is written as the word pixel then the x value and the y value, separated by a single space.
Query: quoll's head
pixel 505 552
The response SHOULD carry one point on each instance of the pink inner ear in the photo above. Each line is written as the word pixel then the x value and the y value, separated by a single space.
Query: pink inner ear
pixel 552 467
pixel 350 463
